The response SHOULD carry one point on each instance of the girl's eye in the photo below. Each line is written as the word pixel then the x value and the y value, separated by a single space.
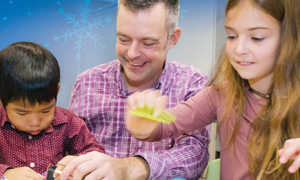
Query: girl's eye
pixel 231 37
pixel 45 111
pixel 257 39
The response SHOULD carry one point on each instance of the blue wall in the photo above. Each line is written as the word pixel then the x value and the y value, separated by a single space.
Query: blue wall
pixel 81 33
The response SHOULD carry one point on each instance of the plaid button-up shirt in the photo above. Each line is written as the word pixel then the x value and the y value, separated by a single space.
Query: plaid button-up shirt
pixel 99 97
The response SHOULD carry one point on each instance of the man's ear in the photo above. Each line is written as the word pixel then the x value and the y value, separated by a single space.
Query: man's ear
pixel 58 87
pixel 175 37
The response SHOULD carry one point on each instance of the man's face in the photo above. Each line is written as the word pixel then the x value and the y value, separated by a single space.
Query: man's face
pixel 141 44
pixel 31 119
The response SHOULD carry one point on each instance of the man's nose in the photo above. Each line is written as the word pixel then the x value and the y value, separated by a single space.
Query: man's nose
pixel 134 50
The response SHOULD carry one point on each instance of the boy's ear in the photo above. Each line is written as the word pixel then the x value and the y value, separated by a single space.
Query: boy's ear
pixel 58 87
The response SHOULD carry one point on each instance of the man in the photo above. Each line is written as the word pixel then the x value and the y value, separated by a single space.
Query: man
pixel 146 30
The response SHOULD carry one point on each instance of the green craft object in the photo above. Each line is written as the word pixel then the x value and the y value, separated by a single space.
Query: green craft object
pixel 147 113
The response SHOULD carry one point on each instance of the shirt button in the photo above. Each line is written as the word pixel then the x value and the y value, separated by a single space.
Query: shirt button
pixel 30 137
pixel 32 165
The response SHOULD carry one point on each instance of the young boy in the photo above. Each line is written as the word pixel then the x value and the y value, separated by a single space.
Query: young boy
pixel 33 131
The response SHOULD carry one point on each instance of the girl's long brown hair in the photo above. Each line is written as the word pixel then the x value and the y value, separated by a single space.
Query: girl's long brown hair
pixel 279 119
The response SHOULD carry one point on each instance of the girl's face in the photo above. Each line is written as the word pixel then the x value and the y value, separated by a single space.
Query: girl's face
pixel 253 38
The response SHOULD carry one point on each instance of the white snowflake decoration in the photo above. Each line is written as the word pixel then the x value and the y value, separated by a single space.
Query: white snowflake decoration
pixel 82 29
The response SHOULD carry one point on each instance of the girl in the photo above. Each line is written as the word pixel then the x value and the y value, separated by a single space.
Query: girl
pixel 253 94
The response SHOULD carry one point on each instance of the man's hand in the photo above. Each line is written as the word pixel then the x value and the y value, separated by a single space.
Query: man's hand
pixel 22 173
pixel 61 165
pixel 95 166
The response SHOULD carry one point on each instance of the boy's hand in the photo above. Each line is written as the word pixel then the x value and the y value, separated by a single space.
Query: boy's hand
pixel 140 127
pixel 22 173
pixel 291 150
pixel 61 165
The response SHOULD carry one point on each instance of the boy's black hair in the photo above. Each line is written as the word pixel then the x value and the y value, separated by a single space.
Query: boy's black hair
pixel 28 73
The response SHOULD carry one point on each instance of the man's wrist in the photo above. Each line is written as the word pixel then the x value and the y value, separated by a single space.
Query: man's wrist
pixel 137 168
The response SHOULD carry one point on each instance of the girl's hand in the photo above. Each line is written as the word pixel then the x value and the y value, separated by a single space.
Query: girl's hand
pixel 291 150
pixel 139 127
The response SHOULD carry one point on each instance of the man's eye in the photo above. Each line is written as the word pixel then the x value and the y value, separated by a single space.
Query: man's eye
pixel 149 44
pixel 123 40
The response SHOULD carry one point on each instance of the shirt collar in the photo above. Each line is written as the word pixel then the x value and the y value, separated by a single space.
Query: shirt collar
pixel 3 116
pixel 121 86
pixel 57 119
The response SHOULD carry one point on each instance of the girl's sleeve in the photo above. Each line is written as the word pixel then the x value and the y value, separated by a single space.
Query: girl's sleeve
pixel 198 111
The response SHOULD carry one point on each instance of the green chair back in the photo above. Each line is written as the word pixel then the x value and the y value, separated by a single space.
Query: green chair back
pixel 213 170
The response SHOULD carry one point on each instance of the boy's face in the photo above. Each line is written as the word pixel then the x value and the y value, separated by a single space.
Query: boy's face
pixel 31 119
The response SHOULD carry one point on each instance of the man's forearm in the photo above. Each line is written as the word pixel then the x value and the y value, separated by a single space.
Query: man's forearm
pixel 137 168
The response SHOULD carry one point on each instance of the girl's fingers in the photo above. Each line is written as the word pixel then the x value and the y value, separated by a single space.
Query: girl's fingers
pixel 150 98
pixel 291 149
pixel 295 166
pixel 287 143
pixel 140 99
pixel 131 102
pixel 280 152
pixel 159 106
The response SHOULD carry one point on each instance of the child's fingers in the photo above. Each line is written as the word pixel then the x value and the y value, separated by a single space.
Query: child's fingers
pixel 140 99
pixel 159 106
pixel 150 98
pixel 150 101
pixel 280 152
pixel 287 154
pixel 295 166
pixel 291 148
pixel 131 101
pixel 287 143
pixel 34 175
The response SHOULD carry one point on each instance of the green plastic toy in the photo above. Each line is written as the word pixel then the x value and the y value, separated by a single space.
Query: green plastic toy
pixel 146 112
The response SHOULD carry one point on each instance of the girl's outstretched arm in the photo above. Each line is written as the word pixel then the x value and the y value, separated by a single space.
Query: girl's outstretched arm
pixel 198 111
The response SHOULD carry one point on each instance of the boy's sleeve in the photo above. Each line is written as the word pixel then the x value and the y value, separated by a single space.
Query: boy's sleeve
pixel 80 140
pixel 3 168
